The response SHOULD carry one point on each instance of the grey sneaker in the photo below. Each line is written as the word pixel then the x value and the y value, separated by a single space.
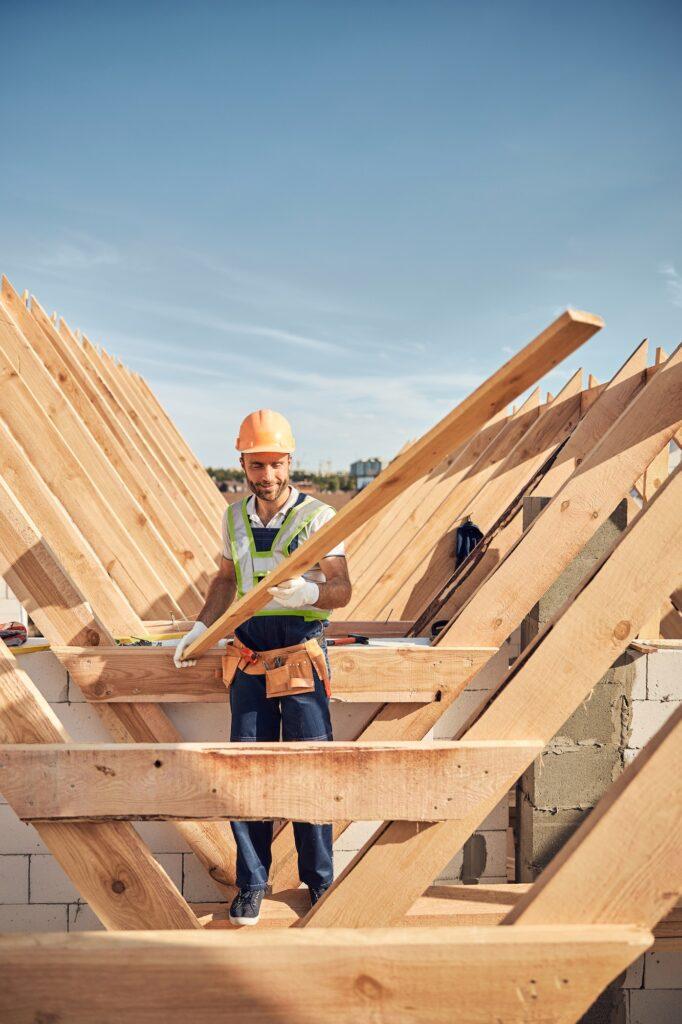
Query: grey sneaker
pixel 316 892
pixel 245 908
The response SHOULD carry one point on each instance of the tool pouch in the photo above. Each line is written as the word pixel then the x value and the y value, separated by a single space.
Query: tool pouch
pixel 293 674
pixel 230 666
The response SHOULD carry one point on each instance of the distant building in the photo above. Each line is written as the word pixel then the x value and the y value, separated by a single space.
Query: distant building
pixel 364 471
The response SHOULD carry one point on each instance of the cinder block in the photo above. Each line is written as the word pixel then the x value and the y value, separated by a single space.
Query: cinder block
pixel 572 777
pixel 82 723
pixel 16 836
pixel 172 865
pixel 493 671
pixel 457 714
pixel 498 819
pixel 640 667
pixel 48 675
pixel 663 969
pixel 349 718
pixel 496 854
pixel 14 879
pixel 82 918
pixel 197 886
pixel 664 676
pixel 634 976
pixel 200 723
pixel 356 835
pixel 655 1006
pixel 647 718
pixel 49 882
pixel 341 860
pixel 161 837
pixel 28 917
pixel 452 870
pixel 541 836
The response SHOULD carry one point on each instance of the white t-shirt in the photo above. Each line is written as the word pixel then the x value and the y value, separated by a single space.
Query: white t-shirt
pixel 314 574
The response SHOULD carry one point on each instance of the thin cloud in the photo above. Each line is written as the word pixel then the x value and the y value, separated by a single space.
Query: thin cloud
pixel 77 252
pixel 673 283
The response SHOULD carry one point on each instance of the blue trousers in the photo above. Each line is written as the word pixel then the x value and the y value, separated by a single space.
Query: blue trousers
pixel 257 718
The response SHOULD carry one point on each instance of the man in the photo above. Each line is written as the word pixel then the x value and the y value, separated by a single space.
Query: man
pixel 258 533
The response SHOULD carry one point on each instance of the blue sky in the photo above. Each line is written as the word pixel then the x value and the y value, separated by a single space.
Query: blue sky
pixel 351 212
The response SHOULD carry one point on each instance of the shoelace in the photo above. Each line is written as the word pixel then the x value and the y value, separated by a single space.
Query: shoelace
pixel 250 898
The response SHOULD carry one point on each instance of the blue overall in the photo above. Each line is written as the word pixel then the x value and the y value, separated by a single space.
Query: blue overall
pixel 257 718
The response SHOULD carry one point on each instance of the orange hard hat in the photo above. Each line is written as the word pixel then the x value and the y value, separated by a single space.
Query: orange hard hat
pixel 265 431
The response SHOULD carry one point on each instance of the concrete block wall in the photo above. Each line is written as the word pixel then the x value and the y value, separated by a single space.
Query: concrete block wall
pixel 36 895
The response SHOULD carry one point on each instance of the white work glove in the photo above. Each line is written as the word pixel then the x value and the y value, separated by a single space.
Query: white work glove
pixel 197 630
pixel 295 593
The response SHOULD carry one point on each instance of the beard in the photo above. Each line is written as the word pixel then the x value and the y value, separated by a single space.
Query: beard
pixel 268 493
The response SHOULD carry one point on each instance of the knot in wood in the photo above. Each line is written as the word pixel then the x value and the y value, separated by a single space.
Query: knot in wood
pixel 622 629
pixel 118 886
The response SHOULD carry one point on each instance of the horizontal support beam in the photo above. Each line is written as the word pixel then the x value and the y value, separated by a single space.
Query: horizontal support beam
pixel 441 906
pixel 307 781
pixel 546 973
pixel 359 673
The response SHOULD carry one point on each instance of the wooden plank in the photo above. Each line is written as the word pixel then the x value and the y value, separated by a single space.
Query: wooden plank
pixel 561 338
pixel 541 690
pixel 94 371
pixel 516 472
pixel 395 976
pixel 358 673
pixel 50 521
pixel 63 616
pixel 585 501
pixel 441 906
pixel 68 459
pixel 65 368
pixel 412 509
pixel 304 781
pixel 155 442
pixel 438 510
pixel 415 722
pixel 622 387
pixel 34 575
pixel 108 863
pixel 623 864
pixel 186 456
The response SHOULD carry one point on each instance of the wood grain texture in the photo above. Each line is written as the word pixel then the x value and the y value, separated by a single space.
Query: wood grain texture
pixel 396 976
pixel 504 534
pixel 305 781
pixel 557 341
pixel 108 863
pixel 359 673
pixel 541 690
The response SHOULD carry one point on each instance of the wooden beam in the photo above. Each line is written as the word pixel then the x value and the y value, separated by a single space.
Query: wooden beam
pixel 623 864
pixel 485 506
pixel 305 781
pixel 50 521
pixel 65 454
pixel 561 338
pixel 440 505
pixel 541 690
pixel 107 862
pixel 63 616
pixel 159 469
pixel 547 974
pixel 584 502
pixel 620 390
pixel 359 673
pixel 414 723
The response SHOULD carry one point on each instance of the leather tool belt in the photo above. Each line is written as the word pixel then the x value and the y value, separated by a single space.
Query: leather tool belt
pixel 287 670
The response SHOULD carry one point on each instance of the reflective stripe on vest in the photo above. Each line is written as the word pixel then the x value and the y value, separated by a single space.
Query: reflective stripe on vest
pixel 251 566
